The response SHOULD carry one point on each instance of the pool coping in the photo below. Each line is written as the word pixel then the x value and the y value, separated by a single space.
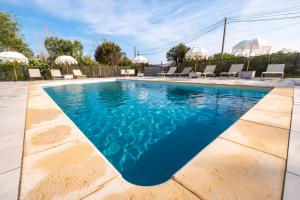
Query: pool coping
pixel 115 184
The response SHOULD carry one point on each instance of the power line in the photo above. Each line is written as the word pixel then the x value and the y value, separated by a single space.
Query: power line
pixel 259 14
pixel 190 36
pixel 291 14
pixel 263 19
pixel 255 33
pixel 186 39
pixel 190 40
pixel 281 14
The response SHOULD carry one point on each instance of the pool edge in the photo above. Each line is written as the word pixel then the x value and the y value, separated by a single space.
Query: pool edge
pixel 121 186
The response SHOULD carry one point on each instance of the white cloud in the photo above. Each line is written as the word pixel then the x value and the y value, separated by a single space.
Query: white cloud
pixel 155 23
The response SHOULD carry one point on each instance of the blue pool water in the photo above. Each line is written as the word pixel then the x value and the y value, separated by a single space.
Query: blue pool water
pixel 148 131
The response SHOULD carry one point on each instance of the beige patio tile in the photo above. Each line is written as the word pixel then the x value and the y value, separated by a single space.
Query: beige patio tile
pixel 45 137
pixel 281 120
pixel 118 189
pixel 43 116
pixel 226 170
pixel 284 91
pixel 269 139
pixel 275 103
pixel 69 171
pixel 40 101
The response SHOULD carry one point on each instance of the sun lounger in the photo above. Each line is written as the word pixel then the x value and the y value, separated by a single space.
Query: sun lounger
pixel 140 74
pixel 127 72
pixel 34 74
pixel 234 70
pixel 209 70
pixel 273 69
pixel 77 73
pixel 194 74
pixel 68 76
pixel 130 72
pixel 56 75
pixel 171 72
pixel 185 72
pixel 123 72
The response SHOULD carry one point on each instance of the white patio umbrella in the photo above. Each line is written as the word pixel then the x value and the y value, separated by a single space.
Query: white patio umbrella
pixel 12 56
pixel 65 60
pixel 196 53
pixel 140 60
pixel 255 46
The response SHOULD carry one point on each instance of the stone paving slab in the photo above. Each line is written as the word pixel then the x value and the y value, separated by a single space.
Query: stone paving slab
pixel 9 185
pixel 265 138
pixel 296 121
pixel 293 165
pixel 277 119
pixel 11 140
pixel 119 189
pixel 10 158
pixel 292 180
pixel 284 91
pixel 297 95
pixel 226 170
pixel 69 171
pixel 271 101
pixel 13 102
pixel 45 137
pixel 292 185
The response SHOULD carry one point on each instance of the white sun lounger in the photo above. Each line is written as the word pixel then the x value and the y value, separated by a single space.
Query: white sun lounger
pixel 130 72
pixel 185 72
pixel 274 69
pixel 123 72
pixel 56 75
pixel 171 71
pixel 209 70
pixel 127 72
pixel 77 73
pixel 234 70
pixel 34 74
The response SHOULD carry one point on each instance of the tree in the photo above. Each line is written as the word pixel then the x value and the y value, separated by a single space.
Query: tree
pixel 108 53
pixel 87 61
pixel 286 51
pixel 177 53
pixel 10 36
pixel 125 61
pixel 57 46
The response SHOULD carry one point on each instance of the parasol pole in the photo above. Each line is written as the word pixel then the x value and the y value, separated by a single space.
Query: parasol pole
pixel 248 62
pixel 15 72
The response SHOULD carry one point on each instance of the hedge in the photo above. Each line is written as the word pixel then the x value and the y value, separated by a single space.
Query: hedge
pixel 258 64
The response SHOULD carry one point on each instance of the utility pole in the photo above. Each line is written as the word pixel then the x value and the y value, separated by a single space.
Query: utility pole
pixel 224 34
pixel 134 52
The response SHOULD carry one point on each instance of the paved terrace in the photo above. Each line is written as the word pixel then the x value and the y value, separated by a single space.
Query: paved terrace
pixel 13 101
pixel 247 161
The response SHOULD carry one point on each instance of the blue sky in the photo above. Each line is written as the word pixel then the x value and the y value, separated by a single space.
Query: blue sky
pixel 149 24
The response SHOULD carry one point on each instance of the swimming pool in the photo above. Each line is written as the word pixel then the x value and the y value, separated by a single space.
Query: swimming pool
pixel 148 131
